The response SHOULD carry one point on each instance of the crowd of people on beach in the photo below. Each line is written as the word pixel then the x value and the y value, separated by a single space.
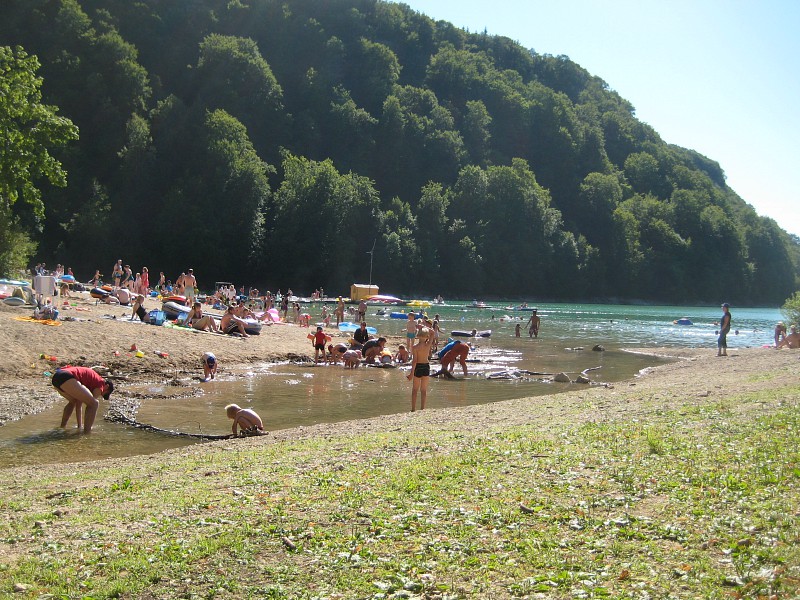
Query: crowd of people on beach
pixel 83 389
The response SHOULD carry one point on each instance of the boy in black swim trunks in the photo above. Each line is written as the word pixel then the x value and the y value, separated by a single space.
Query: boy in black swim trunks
pixel 420 368
pixel 318 339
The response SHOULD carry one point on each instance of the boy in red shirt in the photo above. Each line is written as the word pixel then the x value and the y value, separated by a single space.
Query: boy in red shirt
pixel 319 339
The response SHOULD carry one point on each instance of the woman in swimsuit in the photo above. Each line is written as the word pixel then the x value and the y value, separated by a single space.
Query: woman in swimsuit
pixel 420 368
pixel 81 386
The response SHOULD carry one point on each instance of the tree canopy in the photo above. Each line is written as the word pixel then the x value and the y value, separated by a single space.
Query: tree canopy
pixel 274 142
pixel 29 130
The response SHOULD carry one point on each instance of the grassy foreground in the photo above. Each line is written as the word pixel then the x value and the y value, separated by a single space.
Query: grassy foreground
pixel 696 501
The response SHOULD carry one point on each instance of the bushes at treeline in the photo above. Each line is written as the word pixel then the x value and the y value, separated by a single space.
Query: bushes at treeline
pixel 274 142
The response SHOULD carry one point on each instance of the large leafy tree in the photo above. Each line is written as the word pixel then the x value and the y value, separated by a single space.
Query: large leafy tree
pixel 214 213
pixel 232 75
pixel 29 129
pixel 321 224
pixel 509 219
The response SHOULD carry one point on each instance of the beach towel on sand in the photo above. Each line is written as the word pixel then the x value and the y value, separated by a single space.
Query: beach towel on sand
pixel 39 321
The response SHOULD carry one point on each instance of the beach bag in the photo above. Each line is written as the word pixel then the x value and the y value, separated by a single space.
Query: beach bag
pixel 156 317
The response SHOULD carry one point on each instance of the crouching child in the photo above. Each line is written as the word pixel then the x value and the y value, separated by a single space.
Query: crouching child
pixel 244 419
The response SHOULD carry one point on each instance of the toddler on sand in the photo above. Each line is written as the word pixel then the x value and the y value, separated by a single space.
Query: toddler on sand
pixel 245 419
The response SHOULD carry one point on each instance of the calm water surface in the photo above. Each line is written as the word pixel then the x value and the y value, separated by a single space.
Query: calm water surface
pixel 288 395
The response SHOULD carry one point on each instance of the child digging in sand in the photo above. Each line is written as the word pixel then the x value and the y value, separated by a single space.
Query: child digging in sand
pixel 209 366
pixel 402 355
pixel 245 419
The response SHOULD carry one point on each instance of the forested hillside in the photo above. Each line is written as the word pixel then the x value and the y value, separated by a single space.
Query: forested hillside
pixel 273 142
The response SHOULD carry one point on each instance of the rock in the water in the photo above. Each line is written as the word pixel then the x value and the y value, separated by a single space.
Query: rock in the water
pixel 562 378
pixel 582 379
pixel 598 348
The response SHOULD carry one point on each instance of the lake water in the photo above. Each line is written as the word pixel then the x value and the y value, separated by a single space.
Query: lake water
pixel 289 395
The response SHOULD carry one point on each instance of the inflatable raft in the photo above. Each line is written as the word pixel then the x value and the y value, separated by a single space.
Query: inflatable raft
pixel 252 326
pixel 173 310
pixel 484 334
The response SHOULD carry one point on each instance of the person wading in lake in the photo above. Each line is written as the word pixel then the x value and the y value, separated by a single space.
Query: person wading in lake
pixel 533 322
pixel 81 386
pixel 724 328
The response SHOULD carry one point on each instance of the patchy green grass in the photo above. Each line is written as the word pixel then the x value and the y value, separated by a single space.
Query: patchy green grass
pixel 696 503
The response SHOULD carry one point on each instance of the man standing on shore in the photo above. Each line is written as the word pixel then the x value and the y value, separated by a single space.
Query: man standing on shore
pixel 724 328
pixel 116 273
pixel 190 283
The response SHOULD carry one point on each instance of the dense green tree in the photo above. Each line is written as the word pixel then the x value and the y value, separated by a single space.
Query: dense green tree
pixel 435 134
pixel 232 75
pixel 432 235
pixel 509 219
pixel 626 256
pixel 90 228
pixel 136 201
pixel 213 216
pixel 465 265
pixel 717 257
pixel 29 130
pixel 432 149
pixel 351 134
pixel 791 309
pixel 477 131
pixel 401 265
pixel 378 71
pixel 769 257
pixel 321 224
pixel 600 194
pixel 642 171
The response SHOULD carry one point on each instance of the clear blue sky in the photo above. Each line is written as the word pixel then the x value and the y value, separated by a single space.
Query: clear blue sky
pixel 718 76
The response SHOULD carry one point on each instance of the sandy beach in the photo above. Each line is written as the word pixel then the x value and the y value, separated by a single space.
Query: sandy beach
pixel 100 330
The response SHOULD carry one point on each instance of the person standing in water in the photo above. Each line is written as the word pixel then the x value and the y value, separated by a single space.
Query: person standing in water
pixel 724 328
pixel 533 322
pixel 420 368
